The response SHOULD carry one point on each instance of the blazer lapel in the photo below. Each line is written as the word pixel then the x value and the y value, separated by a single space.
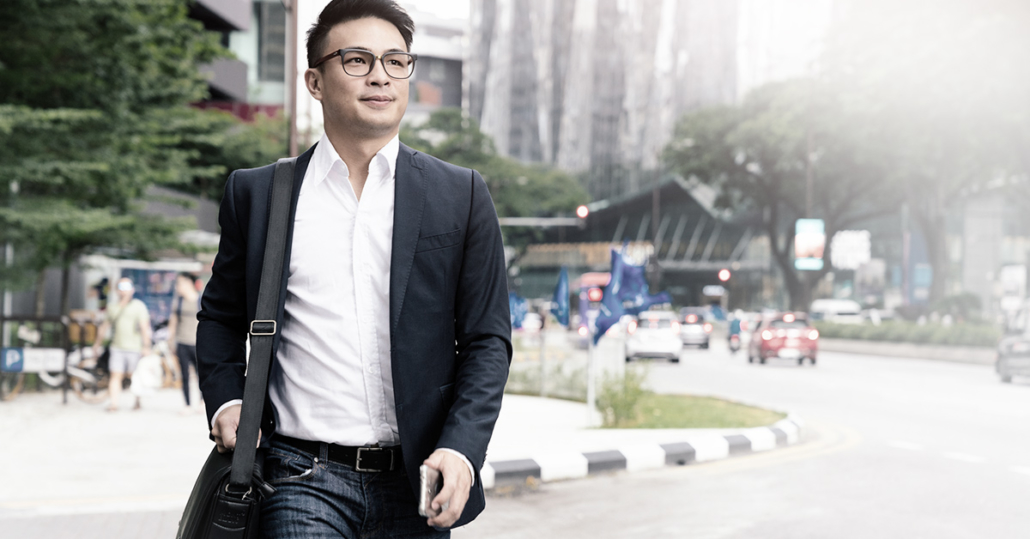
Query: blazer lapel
pixel 299 170
pixel 409 202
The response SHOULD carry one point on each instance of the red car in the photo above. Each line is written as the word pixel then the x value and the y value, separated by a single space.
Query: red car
pixel 786 336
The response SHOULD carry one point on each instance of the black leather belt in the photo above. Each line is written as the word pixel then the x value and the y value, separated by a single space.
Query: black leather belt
pixel 362 459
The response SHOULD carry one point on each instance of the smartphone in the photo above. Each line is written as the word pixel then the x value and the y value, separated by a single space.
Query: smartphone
pixel 430 481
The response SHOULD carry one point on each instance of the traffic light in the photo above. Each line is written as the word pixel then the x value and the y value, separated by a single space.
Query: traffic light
pixel 724 275
pixel 595 294
pixel 582 212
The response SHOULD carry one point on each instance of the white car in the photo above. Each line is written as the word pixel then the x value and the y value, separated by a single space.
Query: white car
pixel 654 334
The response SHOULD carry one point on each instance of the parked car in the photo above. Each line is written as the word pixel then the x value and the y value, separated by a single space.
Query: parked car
pixel 787 336
pixel 654 334
pixel 694 329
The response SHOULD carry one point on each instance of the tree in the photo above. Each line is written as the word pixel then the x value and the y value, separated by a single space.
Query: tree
pixel 96 95
pixel 789 150
pixel 518 189
pixel 945 85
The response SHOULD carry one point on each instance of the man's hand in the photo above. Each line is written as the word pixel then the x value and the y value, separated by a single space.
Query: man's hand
pixel 455 491
pixel 224 431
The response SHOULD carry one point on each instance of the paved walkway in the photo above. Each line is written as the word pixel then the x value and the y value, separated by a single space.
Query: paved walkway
pixel 77 471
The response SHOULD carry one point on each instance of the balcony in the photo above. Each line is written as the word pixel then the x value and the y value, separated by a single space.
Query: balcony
pixel 222 15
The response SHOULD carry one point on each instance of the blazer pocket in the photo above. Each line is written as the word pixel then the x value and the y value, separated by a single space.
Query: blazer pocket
pixel 447 393
pixel 439 241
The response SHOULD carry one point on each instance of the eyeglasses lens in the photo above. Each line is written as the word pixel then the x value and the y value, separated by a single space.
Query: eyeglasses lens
pixel 398 65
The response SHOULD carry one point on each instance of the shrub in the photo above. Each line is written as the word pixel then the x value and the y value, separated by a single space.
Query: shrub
pixel 965 334
pixel 619 396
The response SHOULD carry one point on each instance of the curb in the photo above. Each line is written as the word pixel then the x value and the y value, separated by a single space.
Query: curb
pixel 561 465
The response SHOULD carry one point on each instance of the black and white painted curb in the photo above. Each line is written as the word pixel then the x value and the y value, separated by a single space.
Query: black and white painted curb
pixel 560 465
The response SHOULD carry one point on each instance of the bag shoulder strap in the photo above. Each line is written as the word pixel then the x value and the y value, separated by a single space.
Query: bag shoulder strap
pixel 264 327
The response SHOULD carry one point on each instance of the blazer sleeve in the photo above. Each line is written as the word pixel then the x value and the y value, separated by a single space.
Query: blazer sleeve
pixel 222 327
pixel 482 332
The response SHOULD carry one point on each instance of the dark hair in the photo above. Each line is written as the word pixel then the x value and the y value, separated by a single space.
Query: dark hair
pixel 192 277
pixel 341 11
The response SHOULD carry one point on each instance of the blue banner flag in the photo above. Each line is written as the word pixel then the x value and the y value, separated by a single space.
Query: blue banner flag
pixel 560 309
pixel 517 308
pixel 626 293
pixel 635 295
pixel 611 304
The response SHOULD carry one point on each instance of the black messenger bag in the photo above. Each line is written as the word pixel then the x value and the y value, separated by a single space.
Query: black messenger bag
pixel 226 500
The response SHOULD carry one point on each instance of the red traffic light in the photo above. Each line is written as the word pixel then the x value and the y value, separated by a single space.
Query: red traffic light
pixel 595 294
pixel 582 212
pixel 724 275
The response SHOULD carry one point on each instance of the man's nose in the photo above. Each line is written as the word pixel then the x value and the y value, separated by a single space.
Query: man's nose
pixel 378 74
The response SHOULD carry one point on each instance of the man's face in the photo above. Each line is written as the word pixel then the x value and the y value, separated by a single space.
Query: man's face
pixel 366 107
pixel 125 289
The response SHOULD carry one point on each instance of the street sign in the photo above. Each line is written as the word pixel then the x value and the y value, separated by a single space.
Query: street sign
pixel 713 290
pixel 809 244
pixel 849 249
pixel 32 359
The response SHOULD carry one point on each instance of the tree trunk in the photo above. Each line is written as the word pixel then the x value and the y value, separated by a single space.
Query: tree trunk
pixel 932 224
pixel 41 293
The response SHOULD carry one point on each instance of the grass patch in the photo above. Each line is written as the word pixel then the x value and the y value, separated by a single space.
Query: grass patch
pixel 656 411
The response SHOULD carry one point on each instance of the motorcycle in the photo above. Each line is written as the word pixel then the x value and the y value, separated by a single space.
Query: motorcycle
pixel 734 343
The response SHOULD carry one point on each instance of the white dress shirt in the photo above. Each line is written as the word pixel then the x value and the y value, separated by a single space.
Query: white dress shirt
pixel 332 381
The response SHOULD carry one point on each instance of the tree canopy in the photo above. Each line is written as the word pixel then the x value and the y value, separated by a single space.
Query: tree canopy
pixel 93 111
pixel 518 189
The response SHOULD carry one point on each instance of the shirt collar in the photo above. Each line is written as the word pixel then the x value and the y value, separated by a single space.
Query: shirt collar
pixel 325 157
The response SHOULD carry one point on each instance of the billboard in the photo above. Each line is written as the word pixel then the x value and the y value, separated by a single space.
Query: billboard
pixel 809 244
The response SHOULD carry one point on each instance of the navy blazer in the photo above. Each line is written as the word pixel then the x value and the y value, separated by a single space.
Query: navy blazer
pixel 450 330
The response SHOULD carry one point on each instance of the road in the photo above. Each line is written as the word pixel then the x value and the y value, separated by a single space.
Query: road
pixel 895 448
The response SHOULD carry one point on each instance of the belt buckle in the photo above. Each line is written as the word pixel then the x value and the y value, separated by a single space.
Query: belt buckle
pixel 357 461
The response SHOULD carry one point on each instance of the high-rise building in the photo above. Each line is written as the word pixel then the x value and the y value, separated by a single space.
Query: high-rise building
pixel 596 86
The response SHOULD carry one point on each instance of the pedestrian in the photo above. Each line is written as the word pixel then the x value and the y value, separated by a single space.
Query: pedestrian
pixel 129 322
pixel 182 328
pixel 392 341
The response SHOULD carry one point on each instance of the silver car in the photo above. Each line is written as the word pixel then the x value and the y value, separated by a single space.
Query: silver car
pixel 694 331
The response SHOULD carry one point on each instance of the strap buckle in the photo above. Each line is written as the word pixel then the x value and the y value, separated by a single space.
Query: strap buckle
pixel 264 328
pixel 357 461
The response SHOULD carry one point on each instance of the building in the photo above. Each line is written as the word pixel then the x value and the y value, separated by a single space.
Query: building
pixel 596 86
pixel 255 31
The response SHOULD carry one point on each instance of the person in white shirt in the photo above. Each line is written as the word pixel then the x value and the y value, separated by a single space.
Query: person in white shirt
pixel 394 339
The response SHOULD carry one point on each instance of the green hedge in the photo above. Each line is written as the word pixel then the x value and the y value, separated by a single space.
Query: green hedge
pixel 899 331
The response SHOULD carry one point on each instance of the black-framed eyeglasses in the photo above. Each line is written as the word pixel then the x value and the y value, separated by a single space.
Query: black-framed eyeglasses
pixel 359 62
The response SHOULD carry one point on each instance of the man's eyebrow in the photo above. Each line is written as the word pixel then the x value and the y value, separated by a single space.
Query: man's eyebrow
pixel 369 49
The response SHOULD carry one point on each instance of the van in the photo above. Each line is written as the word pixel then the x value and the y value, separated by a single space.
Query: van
pixel 840 311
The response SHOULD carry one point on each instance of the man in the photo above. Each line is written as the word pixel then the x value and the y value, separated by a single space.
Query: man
pixel 182 328
pixel 393 323
pixel 130 339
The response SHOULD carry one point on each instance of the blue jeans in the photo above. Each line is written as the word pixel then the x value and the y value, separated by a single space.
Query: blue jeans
pixel 324 499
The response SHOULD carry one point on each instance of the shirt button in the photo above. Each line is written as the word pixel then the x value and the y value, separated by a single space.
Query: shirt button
pixel 371 370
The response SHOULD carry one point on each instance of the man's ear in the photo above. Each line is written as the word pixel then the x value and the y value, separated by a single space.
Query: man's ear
pixel 313 80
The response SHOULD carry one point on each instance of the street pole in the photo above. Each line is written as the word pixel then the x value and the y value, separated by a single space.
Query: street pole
pixel 543 355
pixel 591 390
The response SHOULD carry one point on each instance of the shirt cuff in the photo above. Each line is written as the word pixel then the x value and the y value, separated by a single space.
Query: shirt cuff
pixel 214 418
pixel 472 470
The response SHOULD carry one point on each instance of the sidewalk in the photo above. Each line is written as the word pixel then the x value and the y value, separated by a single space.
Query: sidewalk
pixel 77 471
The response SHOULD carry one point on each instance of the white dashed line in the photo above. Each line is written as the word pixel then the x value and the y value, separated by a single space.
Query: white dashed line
pixel 1025 470
pixel 962 457
pixel 905 445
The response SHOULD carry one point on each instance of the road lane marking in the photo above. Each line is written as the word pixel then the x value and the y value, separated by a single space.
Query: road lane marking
pixel 962 457
pixel 909 446
pixel 1025 470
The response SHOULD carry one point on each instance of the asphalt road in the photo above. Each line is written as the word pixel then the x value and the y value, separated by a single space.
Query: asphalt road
pixel 895 448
